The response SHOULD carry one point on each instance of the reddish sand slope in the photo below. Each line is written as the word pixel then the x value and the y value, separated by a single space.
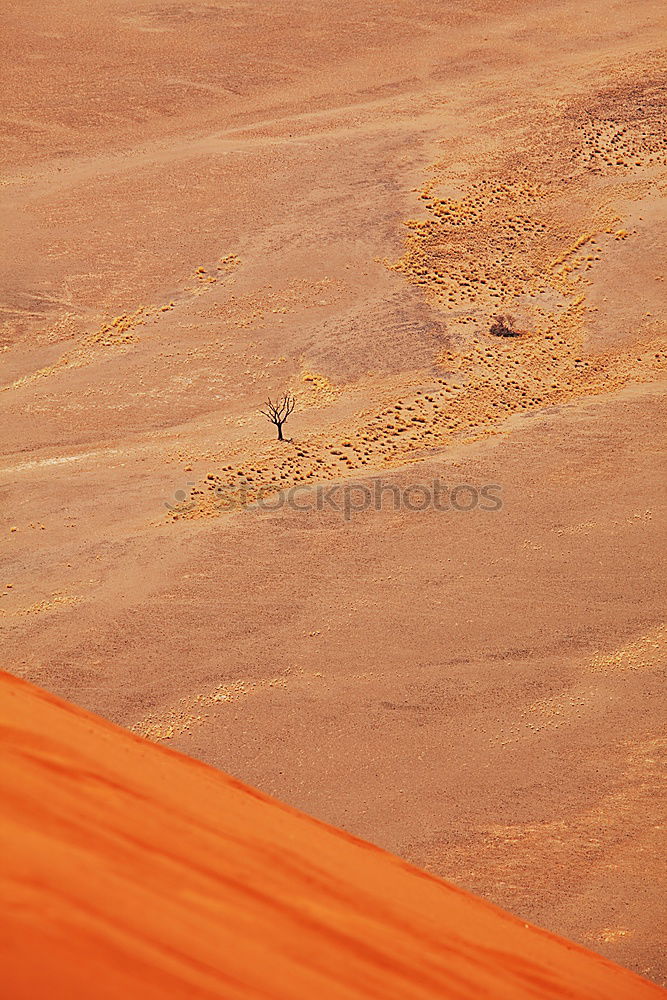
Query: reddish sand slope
pixel 128 870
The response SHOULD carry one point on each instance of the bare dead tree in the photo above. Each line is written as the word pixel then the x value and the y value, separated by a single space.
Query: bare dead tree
pixel 277 413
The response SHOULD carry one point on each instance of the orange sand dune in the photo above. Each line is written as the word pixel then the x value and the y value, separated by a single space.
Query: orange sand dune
pixel 130 871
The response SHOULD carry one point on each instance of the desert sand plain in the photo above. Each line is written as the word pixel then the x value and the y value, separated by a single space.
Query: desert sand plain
pixel 208 203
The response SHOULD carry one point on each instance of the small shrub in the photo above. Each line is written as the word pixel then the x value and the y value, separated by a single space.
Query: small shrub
pixel 504 326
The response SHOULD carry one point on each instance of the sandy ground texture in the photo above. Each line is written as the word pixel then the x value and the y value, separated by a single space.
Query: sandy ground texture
pixel 209 202
pixel 204 887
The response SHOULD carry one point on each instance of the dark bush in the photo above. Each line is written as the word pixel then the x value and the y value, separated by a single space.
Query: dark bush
pixel 504 326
